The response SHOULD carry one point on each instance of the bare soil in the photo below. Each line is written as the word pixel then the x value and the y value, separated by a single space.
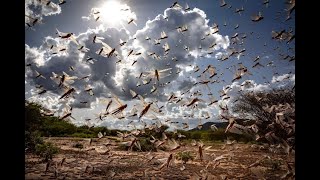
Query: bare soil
pixel 96 161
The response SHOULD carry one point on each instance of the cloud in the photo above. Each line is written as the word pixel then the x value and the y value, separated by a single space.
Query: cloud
pixel 85 18
pixel 49 101
pixel 32 55
pixel 35 9
pixel 45 62
pixel 108 77
pixel 198 27
pixel 283 78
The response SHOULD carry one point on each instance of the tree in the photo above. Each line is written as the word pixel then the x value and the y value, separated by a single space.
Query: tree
pixel 253 103
pixel 33 118
pixel 269 115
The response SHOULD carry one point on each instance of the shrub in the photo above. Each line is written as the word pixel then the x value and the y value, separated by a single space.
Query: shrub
pixel 145 144
pixel 157 132
pixel 196 135
pixel 162 148
pixel 257 107
pixel 83 135
pixel 113 132
pixel 122 147
pixel 78 145
pixel 32 139
pixel 46 151
pixel 33 118
pixel 207 136
pixel 274 164
pixel 185 156
pixel 103 130
pixel 58 128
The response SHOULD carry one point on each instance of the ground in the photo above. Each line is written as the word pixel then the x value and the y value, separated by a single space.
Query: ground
pixel 96 161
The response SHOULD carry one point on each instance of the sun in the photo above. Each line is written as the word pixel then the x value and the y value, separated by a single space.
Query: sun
pixel 114 13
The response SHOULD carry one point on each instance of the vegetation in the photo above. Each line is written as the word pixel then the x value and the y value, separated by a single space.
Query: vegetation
pixel 273 164
pixel 78 145
pixel 47 126
pixel 156 132
pixel 122 147
pixel 38 125
pixel 272 113
pixel 145 145
pixel 218 135
pixel 46 151
pixel 185 156
pixel 253 103
pixel 31 140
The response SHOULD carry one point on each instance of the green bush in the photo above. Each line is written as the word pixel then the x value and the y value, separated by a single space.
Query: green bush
pixel 145 144
pixel 32 139
pixel 83 135
pixel 113 132
pixel 33 118
pixel 78 145
pixel 157 133
pixel 218 135
pixel 274 164
pixel 57 128
pixel 46 151
pixel 196 135
pixel 53 126
pixel 103 130
pixel 162 148
pixel 207 136
pixel 185 156
pixel 122 147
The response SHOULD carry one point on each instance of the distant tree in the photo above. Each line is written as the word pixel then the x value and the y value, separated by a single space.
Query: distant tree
pixel 53 126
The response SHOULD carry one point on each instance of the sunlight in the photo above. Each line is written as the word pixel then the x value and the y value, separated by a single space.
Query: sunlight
pixel 113 12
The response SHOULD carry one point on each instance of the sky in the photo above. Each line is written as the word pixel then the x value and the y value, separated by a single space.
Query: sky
pixel 190 52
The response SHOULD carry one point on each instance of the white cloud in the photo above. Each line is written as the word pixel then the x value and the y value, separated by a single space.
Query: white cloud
pixel 37 9
pixel 85 18
pixel 33 55
pixel 284 77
